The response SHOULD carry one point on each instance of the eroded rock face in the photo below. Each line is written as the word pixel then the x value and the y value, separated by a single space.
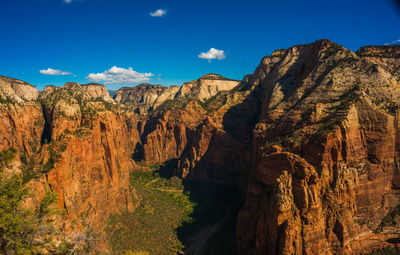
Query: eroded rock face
pixel 326 152
pixel 142 94
pixel 92 173
pixel 147 97
pixel 92 143
pixel 17 90
pixel 206 87
pixel 20 129
pixel 89 91
pixel 387 57
pixel 312 137
pixel 77 146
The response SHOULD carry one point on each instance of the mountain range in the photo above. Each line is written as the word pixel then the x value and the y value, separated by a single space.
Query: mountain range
pixel 300 157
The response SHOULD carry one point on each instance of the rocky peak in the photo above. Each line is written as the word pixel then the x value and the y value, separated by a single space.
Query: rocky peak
pixel 312 136
pixel 206 87
pixel 278 53
pixel 213 76
pixel 144 93
pixel 17 90
pixel 147 96
pixel 89 91
pixel 326 114
pixel 72 85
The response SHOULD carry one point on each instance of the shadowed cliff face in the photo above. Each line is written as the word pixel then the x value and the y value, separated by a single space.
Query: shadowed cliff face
pixel 311 139
pixel 326 153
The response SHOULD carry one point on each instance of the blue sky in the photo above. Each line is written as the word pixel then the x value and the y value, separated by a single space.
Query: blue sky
pixel 88 37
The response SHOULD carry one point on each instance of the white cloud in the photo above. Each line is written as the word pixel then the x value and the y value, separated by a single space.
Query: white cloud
pixel 118 75
pixel 394 42
pixel 51 71
pixel 212 54
pixel 158 13
pixel 70 1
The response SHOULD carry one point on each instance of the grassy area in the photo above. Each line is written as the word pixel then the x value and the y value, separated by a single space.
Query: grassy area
pixel 151 228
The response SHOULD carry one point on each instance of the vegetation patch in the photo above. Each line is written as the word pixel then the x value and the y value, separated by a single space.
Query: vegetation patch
pixel 151 228
pixel 6 155
pixel 26 231
pixel 390 220
pixel 385 251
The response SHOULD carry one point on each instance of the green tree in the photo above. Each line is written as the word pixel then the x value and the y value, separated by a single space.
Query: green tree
pixel 17 224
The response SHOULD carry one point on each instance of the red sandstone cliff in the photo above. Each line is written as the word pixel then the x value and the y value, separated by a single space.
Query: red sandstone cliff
pixel 326 154
pixel 311 138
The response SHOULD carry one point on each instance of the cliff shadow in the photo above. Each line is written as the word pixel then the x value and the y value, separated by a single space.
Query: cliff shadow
pixel 212 230
pixel 46 135
pixel 167 169
pixel 240 119
pixel 138 152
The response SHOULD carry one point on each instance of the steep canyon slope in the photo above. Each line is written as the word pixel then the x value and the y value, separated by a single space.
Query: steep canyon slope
pixel 309 143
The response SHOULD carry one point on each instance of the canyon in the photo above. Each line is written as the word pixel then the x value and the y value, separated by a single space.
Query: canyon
pixel 300 157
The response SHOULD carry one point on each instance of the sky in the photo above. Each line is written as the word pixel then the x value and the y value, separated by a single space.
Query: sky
pixel 169 42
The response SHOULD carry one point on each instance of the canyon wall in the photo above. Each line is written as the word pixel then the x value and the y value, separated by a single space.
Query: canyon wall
pixel 311 138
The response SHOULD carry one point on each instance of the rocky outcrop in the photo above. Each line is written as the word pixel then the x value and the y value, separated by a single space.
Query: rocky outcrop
pixel 145 97
pixel 141 94
pixel 89 91
pixel 91 173
pixel 325 154
pixel 149 97
pixel 206 87
pixel 19 129
pixel 88 151
pixel 168 94
pixel 312 138
pixel 17 90
pixel 74 143
pixel 387 57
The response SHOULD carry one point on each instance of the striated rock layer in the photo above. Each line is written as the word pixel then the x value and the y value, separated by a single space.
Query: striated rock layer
pixel 311 138
pixel 326 153
pixel 149 97
pixel 74 143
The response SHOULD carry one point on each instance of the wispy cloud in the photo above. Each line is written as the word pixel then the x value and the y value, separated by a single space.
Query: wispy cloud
pixel 158 13
pixel 51 71
pixel 394 42
pixel 70 1
pixel 118 75
pixel 212 54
